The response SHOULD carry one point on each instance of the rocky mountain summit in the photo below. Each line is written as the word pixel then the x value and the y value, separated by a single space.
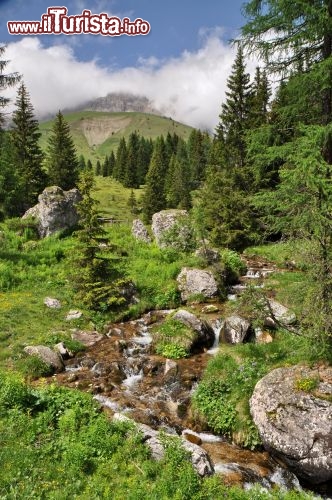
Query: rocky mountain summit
pixel 117 102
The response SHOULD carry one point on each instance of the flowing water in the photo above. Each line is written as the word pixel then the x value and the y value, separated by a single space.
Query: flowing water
pixel 126 377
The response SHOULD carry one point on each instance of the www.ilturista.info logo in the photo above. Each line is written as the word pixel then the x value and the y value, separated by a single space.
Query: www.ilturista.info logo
pixel 56 22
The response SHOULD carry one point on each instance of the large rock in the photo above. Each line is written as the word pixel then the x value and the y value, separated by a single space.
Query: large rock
pixel 235 330
pixel 197 282
pixel 203 332
pixel 296 426
pixel 163 221
pixel 140 232
pixel 55 211
pixel 50 358
pixel 277 314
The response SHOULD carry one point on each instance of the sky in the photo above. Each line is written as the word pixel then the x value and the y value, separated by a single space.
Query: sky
pixel 182 65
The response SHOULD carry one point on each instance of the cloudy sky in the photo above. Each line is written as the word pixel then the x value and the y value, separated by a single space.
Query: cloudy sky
pixel 182 65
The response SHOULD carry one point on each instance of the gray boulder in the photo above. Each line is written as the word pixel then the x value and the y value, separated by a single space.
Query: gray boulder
pixel 197 282
pixel 52 303
pixel 50 358
pixel 203 332
pixel 235 330
pixel 163 221
pixel 140 232
pixel 296 426
pixel 278 314
pixel 55 211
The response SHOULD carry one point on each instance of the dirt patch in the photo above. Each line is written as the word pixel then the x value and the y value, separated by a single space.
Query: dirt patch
pixel 98 130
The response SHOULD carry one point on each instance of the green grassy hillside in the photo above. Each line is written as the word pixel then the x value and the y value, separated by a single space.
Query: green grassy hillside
pixel 96 133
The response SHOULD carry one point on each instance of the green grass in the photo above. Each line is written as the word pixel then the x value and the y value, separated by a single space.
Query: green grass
pixel 147 125
pixel 56 444
pixel 113 199
pixel 31 271
pixel 281 253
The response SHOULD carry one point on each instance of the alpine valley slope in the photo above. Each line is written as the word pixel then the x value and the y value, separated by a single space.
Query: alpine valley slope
pixel 96 133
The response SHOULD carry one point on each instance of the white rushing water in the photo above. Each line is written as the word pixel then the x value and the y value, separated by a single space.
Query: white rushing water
pixel 205 437
pixel 217 326
pixel 103 400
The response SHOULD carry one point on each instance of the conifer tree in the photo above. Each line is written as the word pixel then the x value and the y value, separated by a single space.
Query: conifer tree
pixel 8 179
pixel 27 155
pixel 81 163
pixel 235 112
pixel 130 179
pixel 260 97
pixel 119 170
pixel 111 164
pixel 143 160
pixel 132 203
pixel 6 81
pixel 89 165
pixel 198 151
pixel 98 168
pixel 154 196
pixel 62 160
pixel 104 168
pixel 96 283
pixel 177 184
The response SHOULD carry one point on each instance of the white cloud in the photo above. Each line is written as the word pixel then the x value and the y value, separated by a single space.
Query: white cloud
pixel 190 88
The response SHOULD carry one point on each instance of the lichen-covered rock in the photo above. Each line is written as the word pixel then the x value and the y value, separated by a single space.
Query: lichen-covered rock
pixel 140 232
pixel 295 425
pixel 55 211
pixel 203 332
pixel 163 221
pixel 235 330
pixel 278 314
pixel 196 282
pixel 49 357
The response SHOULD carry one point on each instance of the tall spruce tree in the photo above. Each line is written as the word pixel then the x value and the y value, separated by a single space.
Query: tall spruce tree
pixel 235 113
pixel 98 168
pixel 228 184
pixel 27 155
pixel 260 97
pixel 6 81
pixel 62 159
pixel 177 184
pixel 130 179
pixel 198 150
pixel 97 285
pixel 8 179
pixel 120 166
pixel 154 196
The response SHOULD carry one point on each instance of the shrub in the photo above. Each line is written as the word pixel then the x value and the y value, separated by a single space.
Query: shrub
pixel 172 351
pixel 33 367
pixel 307 384
pixel 234 265
pixel 173 339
